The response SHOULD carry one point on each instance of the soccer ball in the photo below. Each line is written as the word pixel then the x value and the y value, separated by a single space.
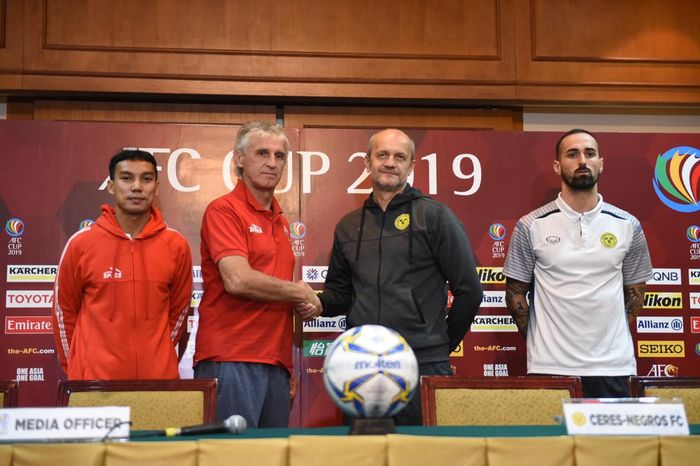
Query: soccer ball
pixel 370 371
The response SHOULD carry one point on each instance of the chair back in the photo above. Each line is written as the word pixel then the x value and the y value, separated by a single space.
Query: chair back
pixel 686 388
pixel 155 404
pixel 528 400
pixel 8 393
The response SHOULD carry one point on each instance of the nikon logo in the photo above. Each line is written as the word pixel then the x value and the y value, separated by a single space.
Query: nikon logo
pixel 667 300
pixel 668 349
pixel 491 274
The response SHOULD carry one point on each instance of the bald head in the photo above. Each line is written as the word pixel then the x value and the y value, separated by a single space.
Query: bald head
pixel 394 136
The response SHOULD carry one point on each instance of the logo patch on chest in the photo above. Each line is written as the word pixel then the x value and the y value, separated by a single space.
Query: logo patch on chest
pixel 608 240
pixel 402 221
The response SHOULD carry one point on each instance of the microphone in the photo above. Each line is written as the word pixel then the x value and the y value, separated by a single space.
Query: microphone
pixel 235 424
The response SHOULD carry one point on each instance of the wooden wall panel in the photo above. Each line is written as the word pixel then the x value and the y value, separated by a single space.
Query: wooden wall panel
pixel 443 48
pixel 11 26
pixel 503 52
pixel 144 112
pixel 393 117
pixel 641 50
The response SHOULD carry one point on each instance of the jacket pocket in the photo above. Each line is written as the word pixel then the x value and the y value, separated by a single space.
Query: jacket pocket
pixel 419 310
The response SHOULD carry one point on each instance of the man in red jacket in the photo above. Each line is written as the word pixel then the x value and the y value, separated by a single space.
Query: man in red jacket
pixel 124 284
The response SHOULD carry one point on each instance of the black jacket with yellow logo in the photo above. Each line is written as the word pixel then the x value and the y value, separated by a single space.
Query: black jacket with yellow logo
pixel 394 268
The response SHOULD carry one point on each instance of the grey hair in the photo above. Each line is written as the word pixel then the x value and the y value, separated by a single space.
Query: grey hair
pixel 264 128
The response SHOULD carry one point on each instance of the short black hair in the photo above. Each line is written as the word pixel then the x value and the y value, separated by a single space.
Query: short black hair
pixel 569 133
pixel 132 154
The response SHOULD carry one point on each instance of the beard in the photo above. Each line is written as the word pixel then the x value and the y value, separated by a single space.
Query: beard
pixel 580 181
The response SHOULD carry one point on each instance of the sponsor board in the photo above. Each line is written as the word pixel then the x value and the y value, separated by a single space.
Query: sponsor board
pixel 493 323
pixel 491 275
pixel 496 370
pixel 694 299
pixel 316 348
pixel 30 350
pixel 197 274
pixel 665 277
pixel 18 325
pixel 693 276
pixel 648 324
pixel 495 348
pixel 30 374
pixel 667 349
pixel 31 273
pixel 663 300
pixel 694 324
pixel 28 298
pixel 325 324
pixel 459 351
pixel 663 370
pixel 494 299
pixel 314 273
pixel 196 298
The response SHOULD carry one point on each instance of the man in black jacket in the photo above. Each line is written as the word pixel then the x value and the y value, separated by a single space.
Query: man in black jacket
pixel 394 259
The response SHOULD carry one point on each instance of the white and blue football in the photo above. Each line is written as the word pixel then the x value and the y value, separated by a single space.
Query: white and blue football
pixel 370 371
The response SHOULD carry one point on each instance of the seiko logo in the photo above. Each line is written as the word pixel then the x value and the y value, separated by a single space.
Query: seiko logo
pixel 665 277
pixel 659 324
pixel 253 228
pixel 669 349
pixel 112 272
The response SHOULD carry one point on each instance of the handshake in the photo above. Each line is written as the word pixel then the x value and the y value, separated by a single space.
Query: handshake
pixel 308 307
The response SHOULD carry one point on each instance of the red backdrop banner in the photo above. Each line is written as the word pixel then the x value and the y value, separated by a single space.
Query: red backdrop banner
pixel 53 178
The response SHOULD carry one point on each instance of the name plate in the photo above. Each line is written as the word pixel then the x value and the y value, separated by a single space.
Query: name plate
pixel 51 424
pixel 627 416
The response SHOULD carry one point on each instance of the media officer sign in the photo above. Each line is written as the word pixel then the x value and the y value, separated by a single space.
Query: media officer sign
pixel 24 424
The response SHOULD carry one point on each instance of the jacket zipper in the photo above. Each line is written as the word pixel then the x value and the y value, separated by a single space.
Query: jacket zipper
pixel 379 271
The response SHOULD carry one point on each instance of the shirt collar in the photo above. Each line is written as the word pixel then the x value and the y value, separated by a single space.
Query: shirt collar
pixel 242 192
pixel 573 215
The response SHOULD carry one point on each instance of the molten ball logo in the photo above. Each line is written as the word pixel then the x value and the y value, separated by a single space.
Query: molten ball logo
pixel 297 230
pixel 677 178
pixel 693 234
pixel 497 232
pixel 14 227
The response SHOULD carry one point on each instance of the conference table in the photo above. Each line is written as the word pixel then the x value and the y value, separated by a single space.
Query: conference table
pixel 330 446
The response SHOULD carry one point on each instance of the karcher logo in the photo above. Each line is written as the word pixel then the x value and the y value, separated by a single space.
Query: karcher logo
pixel 491 275
pixel 493 323
pixel 668 349
pixel 31 273
pixel 663 300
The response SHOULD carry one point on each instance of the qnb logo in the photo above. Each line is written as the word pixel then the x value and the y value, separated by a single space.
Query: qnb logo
pixel 14 227
pixel 497 232
pixel 677 178
pixel 253 228
pixel 693 234
pixel 297 230
pixel 112 272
